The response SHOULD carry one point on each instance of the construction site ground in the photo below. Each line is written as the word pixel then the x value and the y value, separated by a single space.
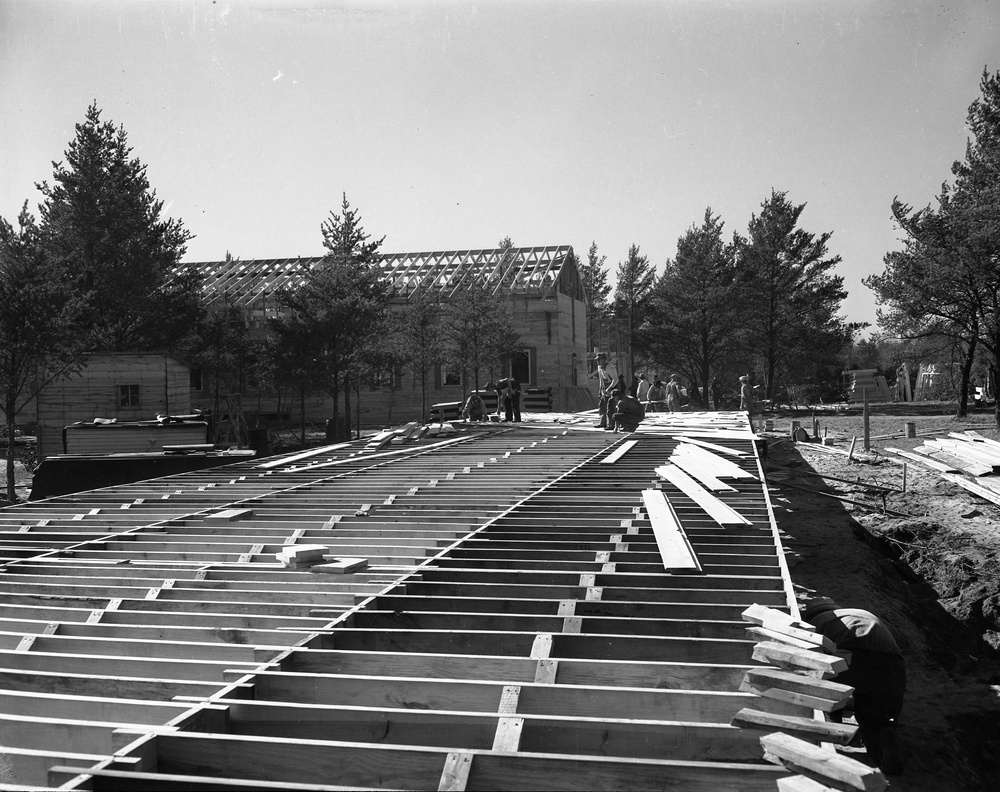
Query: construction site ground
pixel 927 560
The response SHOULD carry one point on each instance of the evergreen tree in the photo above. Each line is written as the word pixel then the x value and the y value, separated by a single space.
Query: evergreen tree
pixel 342 303
pixel 789 294
pixel 101 224
pixel 974 212
pixel 693 314
pixel 636 278
pixel 422 342
pixel 595 284
pixel 36 331
pixel 946 279
pixel 931 289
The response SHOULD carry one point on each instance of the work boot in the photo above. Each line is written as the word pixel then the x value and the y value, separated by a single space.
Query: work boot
pixel 873 745
pixel 891 762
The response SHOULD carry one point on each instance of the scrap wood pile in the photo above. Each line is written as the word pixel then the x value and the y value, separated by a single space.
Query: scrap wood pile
pixel 967 453
pixel 805 663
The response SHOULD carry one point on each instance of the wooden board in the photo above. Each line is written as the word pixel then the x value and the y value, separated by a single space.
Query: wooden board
pixel 673 544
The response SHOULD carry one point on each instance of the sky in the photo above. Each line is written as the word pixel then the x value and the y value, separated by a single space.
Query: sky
pixel 451 125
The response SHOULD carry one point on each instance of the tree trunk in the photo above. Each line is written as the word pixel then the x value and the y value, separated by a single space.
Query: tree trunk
pixel 995 377
pixel 963 389
pixel 336 405
pixel 423 394
pixel 9 409
pixel 347 403
pixel 302 404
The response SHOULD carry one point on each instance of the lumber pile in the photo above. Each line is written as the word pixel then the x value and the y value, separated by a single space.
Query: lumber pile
pixel 866 380
pixel 966 452
pixel 295 556
pixel 806 663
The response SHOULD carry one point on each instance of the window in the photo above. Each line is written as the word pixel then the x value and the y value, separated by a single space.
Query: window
pixel 196 380
pixel 443 378
pixel 128 395
pixel 387 379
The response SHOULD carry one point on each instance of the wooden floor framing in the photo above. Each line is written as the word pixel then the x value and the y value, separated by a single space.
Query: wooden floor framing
pixel 514 628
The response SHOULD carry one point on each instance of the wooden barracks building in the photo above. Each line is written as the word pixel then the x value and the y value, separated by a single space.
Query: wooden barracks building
pixel 546 295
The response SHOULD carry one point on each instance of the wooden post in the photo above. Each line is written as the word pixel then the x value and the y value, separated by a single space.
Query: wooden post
pixel 868 442
pixel 904 477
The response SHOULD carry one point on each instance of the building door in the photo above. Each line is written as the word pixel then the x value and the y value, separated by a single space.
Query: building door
pixel 522 366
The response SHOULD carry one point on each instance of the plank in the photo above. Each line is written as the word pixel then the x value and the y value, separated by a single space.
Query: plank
pixel 983 492
pixel 773 618
pixel 809 662
pixel 722 467
pixel 697 469
pixel 721 512
pixel 927 461
pixel 797 688
pixel 673 544
pixel 810 729
pixel 803 639
pixel 619 452
pixel 801 756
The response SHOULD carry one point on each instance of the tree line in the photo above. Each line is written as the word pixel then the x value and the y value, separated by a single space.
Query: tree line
pixel 99 271
pixel 764 304
pixel 941 291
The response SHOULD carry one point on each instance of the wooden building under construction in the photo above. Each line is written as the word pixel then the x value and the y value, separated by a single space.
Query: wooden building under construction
pixel 546 296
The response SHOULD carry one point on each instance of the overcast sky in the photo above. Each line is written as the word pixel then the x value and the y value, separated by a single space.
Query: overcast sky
pixel 450 125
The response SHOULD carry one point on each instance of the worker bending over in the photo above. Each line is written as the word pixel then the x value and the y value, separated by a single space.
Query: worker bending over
pixel 875 670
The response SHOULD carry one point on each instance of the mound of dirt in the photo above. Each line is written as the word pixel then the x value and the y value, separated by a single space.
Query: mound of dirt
pixel 928 562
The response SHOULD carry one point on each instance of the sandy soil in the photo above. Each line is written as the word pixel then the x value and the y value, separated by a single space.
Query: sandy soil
pixel 927 561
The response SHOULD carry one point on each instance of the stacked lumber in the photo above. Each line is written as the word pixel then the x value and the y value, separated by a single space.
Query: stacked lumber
pixel 806 662
pixel 862 381
pixel 966 452
pixel 301 556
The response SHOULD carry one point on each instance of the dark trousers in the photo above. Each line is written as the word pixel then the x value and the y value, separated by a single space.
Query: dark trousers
pixel 515 407
pixel 879 682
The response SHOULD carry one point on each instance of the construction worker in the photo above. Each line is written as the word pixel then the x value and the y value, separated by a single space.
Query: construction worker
pixel 875 670
pixel 607 379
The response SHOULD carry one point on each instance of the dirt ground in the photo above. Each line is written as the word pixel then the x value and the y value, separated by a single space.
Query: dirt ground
pixel 926 560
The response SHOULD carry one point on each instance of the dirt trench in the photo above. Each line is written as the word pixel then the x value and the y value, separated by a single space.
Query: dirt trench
pixel 934 577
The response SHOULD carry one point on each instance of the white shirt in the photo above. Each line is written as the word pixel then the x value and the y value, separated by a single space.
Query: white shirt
pixel 607 374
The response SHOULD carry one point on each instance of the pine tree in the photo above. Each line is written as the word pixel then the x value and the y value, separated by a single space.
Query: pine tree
pixel 636 278
pixel 595 284
pixel 101 224
pixel 36 333
pixel 974 213
pixel 790 294
pixel 422 342
pixel 342 303
pixel 694 316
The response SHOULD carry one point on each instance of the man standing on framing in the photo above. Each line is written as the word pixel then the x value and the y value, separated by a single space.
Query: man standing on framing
pixel 607 378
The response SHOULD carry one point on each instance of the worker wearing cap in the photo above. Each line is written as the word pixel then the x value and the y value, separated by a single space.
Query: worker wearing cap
pixel 875 670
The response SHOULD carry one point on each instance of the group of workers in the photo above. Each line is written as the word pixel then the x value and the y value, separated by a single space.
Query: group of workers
pixel 622 406
pixel 508 392
pixel 653 394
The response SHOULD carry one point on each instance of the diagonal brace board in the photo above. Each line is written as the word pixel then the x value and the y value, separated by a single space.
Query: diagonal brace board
pixel 675 549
